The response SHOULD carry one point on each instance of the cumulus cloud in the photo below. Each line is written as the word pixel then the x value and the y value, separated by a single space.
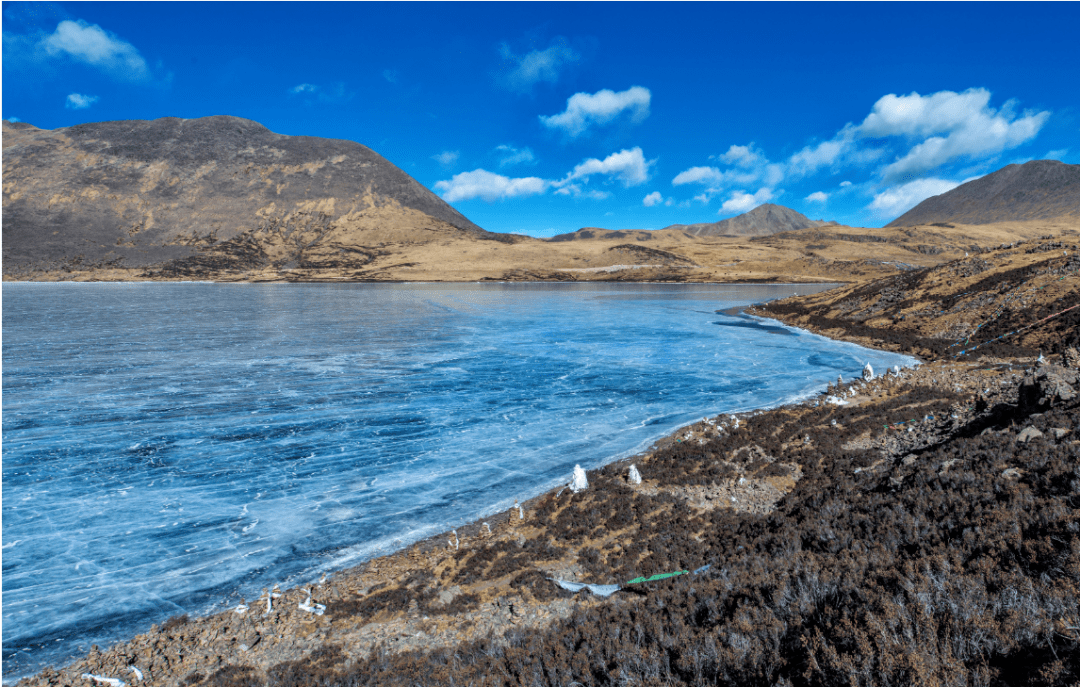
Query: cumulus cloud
pixel 741 201
pixel 743 156
pixel 845 184
pixel 577 191
pixel 716 178
pixel 509 155
pixel 654 198
pixel 78 101
pixel 481 183
pixel 628 166
pixel 446 158
pixel 584 110
pixel 953 125
pixel 525 71
pixel 698 175
pixel 899 199
pixel 827 153
pixel 818 197
pixel 93 45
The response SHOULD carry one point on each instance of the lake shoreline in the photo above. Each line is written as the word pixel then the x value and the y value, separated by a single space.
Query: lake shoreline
pixel 485 589
pixel 378 590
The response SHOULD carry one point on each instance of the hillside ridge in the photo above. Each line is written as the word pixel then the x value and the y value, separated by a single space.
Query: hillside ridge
pixel 137 193
pixel 1036 190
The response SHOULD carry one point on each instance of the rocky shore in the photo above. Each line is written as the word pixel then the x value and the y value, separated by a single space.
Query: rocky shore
pixel 912 527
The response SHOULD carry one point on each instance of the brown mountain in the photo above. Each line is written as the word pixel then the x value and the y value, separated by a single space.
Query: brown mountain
pixel 1036 190
pixel 190 197
pixel 761 221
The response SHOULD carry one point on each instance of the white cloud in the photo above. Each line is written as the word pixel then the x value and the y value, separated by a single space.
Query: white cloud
pixel 818 197
pixel 78 101
pixel 93 45
pixel 750 166
pixel 576 191
pixel 654 198
pixel 628 166
pixel 584 110
pixel 325 93
pixel 899 199
pixel 13 119
pixel 391 75
pixel 481 183
pixel 741 201
pixel 1056 154
pixel 743 156
pixel 827 153
pixel 514 156
pixel 773 174
pixel 953 125
pixel 845 184
pixel 537 66
pixel 698 175
pixel 446 158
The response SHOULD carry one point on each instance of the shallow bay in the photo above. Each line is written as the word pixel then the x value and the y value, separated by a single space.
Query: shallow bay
pixel 169 448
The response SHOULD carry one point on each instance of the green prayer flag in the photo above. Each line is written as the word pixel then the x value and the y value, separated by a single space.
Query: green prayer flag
pixel 658 576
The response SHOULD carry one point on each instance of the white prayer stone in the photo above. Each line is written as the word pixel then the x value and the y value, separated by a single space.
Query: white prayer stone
pixel 580 482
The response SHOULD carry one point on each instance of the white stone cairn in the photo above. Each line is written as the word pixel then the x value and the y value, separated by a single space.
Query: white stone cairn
pixel 309 607
pixel 579 482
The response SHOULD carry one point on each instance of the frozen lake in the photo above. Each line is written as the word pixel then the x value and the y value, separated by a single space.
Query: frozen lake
pixel 170 447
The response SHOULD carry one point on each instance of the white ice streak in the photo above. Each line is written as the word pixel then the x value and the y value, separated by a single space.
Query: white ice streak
pixel 101 679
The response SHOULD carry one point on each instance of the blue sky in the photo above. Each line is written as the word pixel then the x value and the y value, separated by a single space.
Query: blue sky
pixel 544 118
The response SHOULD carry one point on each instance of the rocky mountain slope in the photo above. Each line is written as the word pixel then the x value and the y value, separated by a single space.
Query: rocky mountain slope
pixel 1036 190
pixel 188 196
pixel 761 221
pixel 1016 299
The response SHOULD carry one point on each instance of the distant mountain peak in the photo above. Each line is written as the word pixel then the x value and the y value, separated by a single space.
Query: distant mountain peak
pixel 1040 189
pixel 761 221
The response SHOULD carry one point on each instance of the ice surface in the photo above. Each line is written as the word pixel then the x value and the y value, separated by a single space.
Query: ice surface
pixel 169 448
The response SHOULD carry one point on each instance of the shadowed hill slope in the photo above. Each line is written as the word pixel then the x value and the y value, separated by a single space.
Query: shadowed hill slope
pixel 1040 189
pixel 139 193
pixel 761 221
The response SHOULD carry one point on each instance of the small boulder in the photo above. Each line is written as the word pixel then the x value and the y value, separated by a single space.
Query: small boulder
pixel 1045 387
pixel 1012 474
pixel 1071 358
pixel 1059 433
pixel 1028 434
